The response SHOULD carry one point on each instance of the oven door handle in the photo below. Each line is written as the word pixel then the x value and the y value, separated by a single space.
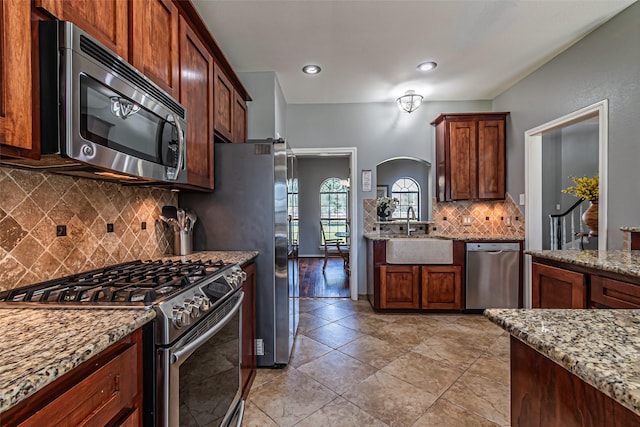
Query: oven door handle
pixel 186 351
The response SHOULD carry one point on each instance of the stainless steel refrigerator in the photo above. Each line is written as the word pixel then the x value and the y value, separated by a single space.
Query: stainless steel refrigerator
pixel 248 211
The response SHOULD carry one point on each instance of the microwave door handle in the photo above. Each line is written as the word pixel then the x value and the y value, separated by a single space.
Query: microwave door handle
pixel 173 174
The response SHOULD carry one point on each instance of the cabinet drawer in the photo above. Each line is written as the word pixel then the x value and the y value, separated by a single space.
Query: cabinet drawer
pixel 614 294
pixel 97 399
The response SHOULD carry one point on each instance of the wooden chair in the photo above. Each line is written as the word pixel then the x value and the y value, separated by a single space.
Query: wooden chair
pixel 333 242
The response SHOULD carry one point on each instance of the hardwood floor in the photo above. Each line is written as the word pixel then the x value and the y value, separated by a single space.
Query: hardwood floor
pixel 333 283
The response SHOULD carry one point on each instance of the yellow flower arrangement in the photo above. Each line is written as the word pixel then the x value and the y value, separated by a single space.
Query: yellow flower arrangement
pixel 584 188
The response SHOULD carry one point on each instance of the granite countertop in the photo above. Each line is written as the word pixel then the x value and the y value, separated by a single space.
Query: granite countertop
pixel 464 237
pixel 39 345
pixel 631 229
pixel 238 257
pixel 622 262
pixel 601 347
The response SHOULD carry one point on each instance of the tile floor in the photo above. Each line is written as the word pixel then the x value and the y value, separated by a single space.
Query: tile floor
pixel 352 367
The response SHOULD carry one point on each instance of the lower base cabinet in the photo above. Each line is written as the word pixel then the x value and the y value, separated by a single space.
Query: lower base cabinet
pixel 399 286
pixel 433 287
pixel 544 393
pixel 441 287
pixel 103 391
pixel 553 287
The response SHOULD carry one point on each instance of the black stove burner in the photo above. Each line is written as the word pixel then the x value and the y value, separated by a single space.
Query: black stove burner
pixel 132 282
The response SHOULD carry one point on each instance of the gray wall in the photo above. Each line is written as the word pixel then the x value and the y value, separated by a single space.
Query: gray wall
pixel 603 65
pixel 379 131
pixel 311 173
pixel 390 171
pixel 266 113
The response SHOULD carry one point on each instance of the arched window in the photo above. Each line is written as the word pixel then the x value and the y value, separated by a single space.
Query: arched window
pixel 334 203
pixel 407 191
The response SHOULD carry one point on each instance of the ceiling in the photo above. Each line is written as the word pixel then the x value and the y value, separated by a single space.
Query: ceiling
pixel 369 49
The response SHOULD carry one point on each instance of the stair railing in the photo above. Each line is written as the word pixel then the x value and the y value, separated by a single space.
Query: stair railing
pixel 560 239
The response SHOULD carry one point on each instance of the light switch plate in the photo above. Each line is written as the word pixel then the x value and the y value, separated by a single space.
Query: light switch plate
pixel 259 347
pixel 522 200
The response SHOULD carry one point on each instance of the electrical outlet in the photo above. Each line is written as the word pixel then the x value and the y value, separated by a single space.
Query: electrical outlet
pixel 61 230
pixel 522 200
pixel 259 347
pixel 109 228
pixel 143 225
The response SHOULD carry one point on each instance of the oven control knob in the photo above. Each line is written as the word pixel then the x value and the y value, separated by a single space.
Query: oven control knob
pixel 203 302
pixel 180 317
pixel 192 308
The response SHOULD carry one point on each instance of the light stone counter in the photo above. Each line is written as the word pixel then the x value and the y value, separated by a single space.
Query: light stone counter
pixel 239 257
pixel 469 237
pixel 601 347
pixel 38 346
pixel 622 262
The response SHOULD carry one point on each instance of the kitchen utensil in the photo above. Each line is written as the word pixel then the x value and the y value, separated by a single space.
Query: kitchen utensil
pixel 192 218
pixel 181 217
pixel 172 222
pixel 169 212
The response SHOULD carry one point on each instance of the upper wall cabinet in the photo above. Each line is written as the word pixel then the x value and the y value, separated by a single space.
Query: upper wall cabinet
pixel 154 45
pixel 230 109
pixel 470 156
pixel 106 20
pixel 15 78
pixel 196 94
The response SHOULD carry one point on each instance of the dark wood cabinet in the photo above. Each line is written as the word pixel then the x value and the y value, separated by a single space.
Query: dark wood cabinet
pixel 612 293
pixel 413 287
pixel 224 100
pixel 248 368
pixel 239 134
pixel 15 79
pixel 553 287
pixel 544 393
pixel 196 94
pixel 106 20
pixel 470 156
pixel 105 390
pixel 400 286
pixel 154 44
pixel 441 287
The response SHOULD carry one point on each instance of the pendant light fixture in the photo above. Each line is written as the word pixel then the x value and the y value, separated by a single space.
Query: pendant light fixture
pixel 410 101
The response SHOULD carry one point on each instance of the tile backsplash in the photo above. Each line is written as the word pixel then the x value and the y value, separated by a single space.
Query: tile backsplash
pixel 491 218
pixel 33 204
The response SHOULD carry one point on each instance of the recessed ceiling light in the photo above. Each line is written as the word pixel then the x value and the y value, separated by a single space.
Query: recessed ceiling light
pixel 311 69
pixel 426 66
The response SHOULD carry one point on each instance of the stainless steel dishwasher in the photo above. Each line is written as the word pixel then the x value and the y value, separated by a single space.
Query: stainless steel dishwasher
pixel 493 275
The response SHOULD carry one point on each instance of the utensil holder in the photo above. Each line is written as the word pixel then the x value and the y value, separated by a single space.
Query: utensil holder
pixel 182 242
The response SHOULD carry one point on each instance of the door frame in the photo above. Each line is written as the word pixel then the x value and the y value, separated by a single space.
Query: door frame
pixel 351 153
pixel 533 179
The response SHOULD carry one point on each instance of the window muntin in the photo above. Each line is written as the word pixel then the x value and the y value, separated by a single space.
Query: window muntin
pixel 407 191
pixel 334 203
pixel 293 210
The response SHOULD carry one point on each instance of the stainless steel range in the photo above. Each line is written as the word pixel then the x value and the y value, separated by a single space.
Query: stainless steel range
pixel 192 349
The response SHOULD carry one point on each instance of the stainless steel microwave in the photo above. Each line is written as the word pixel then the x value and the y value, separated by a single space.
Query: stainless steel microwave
pixel 102 118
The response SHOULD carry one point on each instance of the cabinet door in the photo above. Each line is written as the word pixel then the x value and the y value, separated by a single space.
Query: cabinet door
pixel 106 20
pixel 196 94
pixel 239 119
pixel 399 286
pixel 553 287
pixel 15 77
pixel 224 100
pixel 154 48
pixel 248 367
pixel 463 153
pixel 614 293
pixel 442 287
pixel 491 159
